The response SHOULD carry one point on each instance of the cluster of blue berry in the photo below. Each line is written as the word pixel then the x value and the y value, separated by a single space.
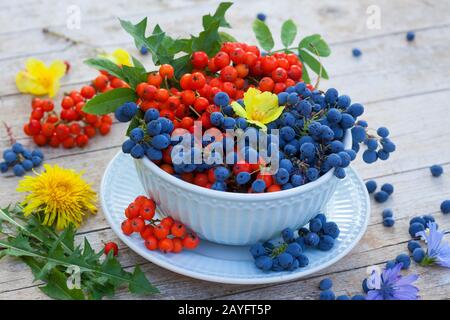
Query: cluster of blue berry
pixel 325 286
pixel 378 148
pixel 152 136
pixel 418 224
pixel 20 159
pixel 312 130
pixel 383 195
pixel 289 253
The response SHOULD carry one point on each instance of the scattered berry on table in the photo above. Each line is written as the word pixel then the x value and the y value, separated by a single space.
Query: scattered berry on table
pixel 414 228
pixel 418 255
pixel 390 264
pixel 261 16
pixel 358 297
pixel 325 284
pixel 410 36
pixel 356 52
pixel 445 206
pixel 387 213
pixel 343 297
pixel 364 286
pixel 20 159
pixel 371 186
pixel 404 259
pixel 388 188
pixel 412 245
pixel 436 170
pixel 388 222
pixel 381 196
pixel 327 295
pixel 111 246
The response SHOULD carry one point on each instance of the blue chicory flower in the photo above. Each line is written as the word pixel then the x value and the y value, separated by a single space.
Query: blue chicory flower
pixel 391 285
pixel 438 252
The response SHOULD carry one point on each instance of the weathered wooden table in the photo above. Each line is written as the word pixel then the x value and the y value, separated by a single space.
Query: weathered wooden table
pixel 404 86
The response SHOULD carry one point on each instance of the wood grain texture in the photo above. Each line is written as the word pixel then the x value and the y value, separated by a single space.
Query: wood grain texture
pixel 403 86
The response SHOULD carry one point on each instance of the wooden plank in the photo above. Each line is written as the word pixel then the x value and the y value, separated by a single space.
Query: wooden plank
pixel 377 243
pixel 339 21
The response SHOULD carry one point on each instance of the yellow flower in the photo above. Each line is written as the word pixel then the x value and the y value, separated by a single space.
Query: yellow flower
pixel 120 57
pixel 260 107
pixel 38 79
pixel 58 196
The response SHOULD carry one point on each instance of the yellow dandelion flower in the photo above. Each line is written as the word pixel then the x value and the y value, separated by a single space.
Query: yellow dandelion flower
pixel 38 79
pixel 120 57
pixel 260 107
pixel 58 196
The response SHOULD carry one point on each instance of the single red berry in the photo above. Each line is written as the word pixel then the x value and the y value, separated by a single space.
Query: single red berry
pixel 201 179
pixel 82 140
pixel 68 142
pixel 167 222
pixel 228 73
pixel 90 131
pixel 87 92
pixel 165 245
pixel 132 211
pixel 221 59
pixel 138 224
pixel 67 102
pixel 237 55
pixel 48 129
pixel 151 243
pixel 185 81
pixel 40 139
pixel 198 80
pixel 147 232
pixel 48 105
pixel 279 75
pixel 37 113
pixel 127 227
pixel 76 96
pixel 104 128
pixel 34 127
pixel 178 229
pixel 147 210
pixel 154 79
pixel 295 72
pixel 268 64
pixel 111 246
pixel 199 59
pixel 36 103
pixel 62 131
pixel 177 245
pixel 161 232
pixel 166 71
pixel 266 84
pixel 191 241
pixel 101 82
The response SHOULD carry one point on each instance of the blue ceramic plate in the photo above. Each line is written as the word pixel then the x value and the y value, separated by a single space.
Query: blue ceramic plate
pixel 349 208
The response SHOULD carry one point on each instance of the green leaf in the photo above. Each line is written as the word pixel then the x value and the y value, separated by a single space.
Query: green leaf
pixel 56 282
pixel 109 101
pixel 134 75
pixel 316 45
pixel 139 283
pixel 218 15
pixel 208 40
pixel 288 33
pixel 137 31
pixel 106 65
pixel 313 63
pixel 305 75
pixel 226 37
pixel 137 63
pixel 263 35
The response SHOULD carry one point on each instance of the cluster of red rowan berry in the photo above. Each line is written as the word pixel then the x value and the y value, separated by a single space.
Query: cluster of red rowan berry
pixel 235 68
pixel 72 127
pixel 166 235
